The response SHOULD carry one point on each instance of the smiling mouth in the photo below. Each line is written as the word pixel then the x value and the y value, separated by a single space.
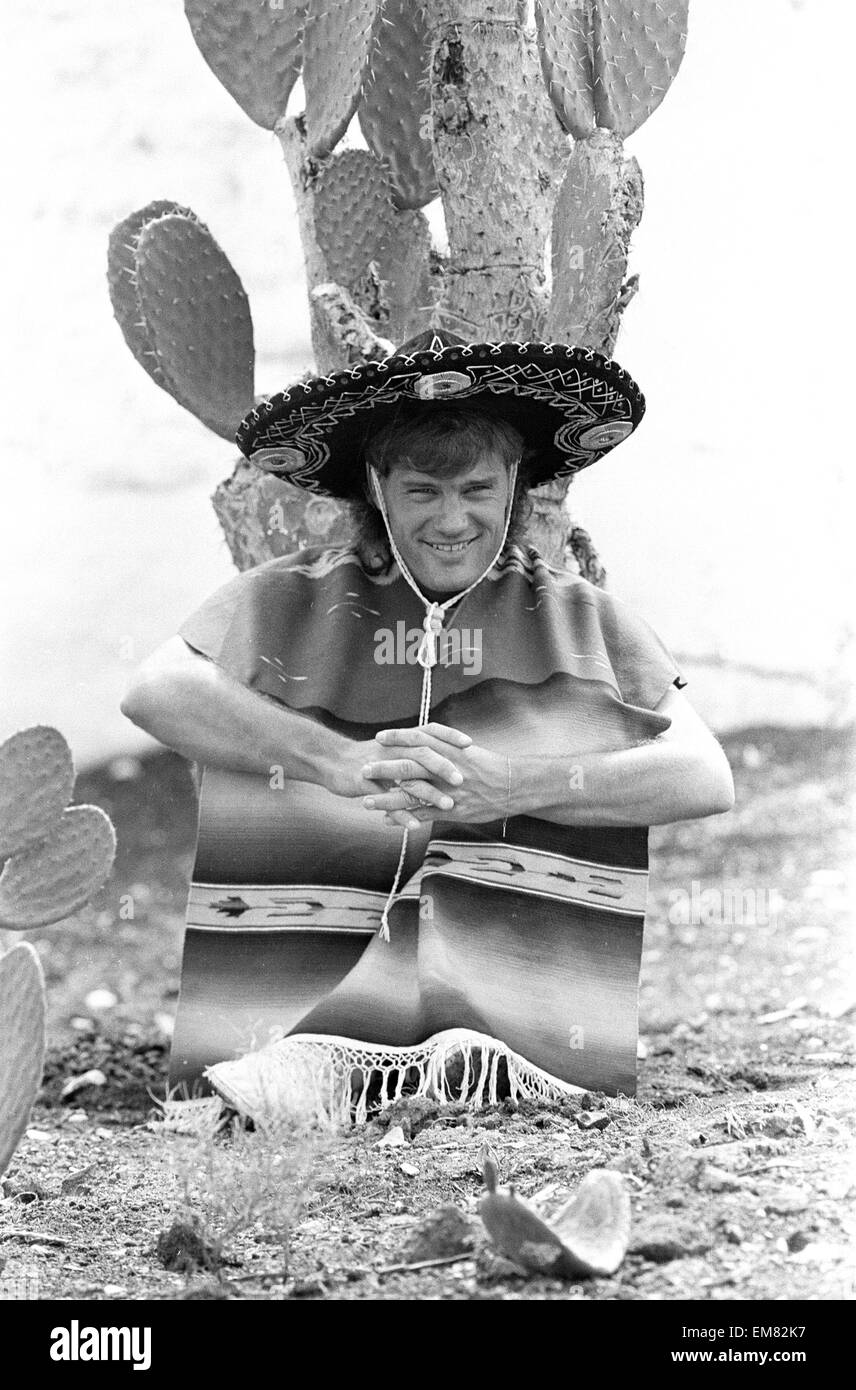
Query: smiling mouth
pixel 447 549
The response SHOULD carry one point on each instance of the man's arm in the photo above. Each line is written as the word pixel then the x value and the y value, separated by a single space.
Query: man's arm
pixel 679 775
pixel 192 705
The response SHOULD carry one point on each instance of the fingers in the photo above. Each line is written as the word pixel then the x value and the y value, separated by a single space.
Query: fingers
pixel 407 820
pixel 443 732
pixel 415 763
pixel 401 798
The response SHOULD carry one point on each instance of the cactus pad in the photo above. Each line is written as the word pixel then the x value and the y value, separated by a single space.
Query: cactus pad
pixel 588 1236
pixel 638 49
pixel 36 780
pixel 396 101
pixel 198 320
pixel 337 42
pixel 22 1043
pixel 609 62
pixel 353 209
pixel 56 877
pixel 565 44
pixel 122 280
pixel 253 47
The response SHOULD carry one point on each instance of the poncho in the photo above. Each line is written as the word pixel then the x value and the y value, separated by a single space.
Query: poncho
pixel 527 933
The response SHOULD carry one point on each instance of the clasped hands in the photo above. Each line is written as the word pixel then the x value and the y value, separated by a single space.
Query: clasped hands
pixel 434 772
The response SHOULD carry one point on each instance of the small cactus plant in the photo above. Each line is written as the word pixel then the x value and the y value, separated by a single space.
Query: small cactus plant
pixel 56 858
pixel 519 127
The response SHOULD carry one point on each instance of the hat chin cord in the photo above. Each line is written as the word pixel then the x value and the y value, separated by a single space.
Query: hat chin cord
pixel 426 654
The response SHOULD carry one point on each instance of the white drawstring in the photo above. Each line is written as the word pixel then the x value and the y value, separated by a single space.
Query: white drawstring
pixel 426 654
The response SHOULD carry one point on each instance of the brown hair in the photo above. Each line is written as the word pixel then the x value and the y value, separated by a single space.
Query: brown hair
pixel 443 441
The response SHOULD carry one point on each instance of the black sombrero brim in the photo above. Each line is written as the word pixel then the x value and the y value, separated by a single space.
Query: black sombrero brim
pixel 571 404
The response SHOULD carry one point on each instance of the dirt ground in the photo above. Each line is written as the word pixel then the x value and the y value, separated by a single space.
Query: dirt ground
pixel 737 1151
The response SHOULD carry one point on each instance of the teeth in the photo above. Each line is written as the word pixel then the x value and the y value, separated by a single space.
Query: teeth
pixel 461 545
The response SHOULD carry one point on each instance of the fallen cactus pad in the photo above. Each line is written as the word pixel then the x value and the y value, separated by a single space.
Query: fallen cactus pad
pixel 22 1043
pixel 56 877
pixel 253 48
pixel 36 780
pixel 588 1236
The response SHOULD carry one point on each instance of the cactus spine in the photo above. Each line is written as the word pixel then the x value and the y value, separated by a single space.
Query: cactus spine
pixel 460 96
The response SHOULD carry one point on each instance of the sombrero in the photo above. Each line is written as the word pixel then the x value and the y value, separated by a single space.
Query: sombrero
pixel 572 404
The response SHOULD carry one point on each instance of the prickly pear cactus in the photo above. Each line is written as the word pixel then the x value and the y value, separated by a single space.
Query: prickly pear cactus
pixel 253 48
pixel 22 1043
pixel 36 778
pixel 464 98
pixel 56 856
pixel 183 312
pixel 380 255
pixel 639 46
pixel 124 290
pixel 395 109
pixel 337 42
pixel 609 63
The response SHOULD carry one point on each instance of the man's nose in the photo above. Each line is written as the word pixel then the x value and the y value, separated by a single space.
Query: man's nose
pixel 452 519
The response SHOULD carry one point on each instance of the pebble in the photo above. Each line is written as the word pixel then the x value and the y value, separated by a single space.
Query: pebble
pixel 393 1139
pixel 100 999
pixel 787 1201
pixel 79 1083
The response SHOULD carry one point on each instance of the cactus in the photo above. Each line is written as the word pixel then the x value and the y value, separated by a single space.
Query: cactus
pixel 184 313
pixel 22 1043
pixel 36 778
pixel 337 42
pixel 51 880
pixel 609 63
pixel 456 96
pixel 56 857
pixel 253 48
pixel 122 280
pixel 589 1235
pixel 396 104
pixel 381 255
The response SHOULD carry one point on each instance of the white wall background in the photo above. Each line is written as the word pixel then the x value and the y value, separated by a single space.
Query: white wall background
pixel 724 520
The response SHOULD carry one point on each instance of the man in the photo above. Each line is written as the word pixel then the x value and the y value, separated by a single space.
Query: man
pixel 392 846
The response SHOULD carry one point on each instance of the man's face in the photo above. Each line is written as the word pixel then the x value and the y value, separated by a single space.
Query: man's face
pixel 448 529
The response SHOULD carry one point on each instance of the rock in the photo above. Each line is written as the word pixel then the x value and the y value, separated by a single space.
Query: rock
pixel 393 1139
pixel 409 1170
pixel 447 1231
pixel 820 1252
pixel 184 1248
pixel 796 1241
pixel 712 1179
pixel 99 999
pixel 593 1119
pixel 662 1241
pixel 80 1083
pixel 788 1201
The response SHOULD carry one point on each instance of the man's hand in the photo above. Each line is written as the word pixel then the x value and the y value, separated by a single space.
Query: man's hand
pixel 479 791
pixel 422 767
